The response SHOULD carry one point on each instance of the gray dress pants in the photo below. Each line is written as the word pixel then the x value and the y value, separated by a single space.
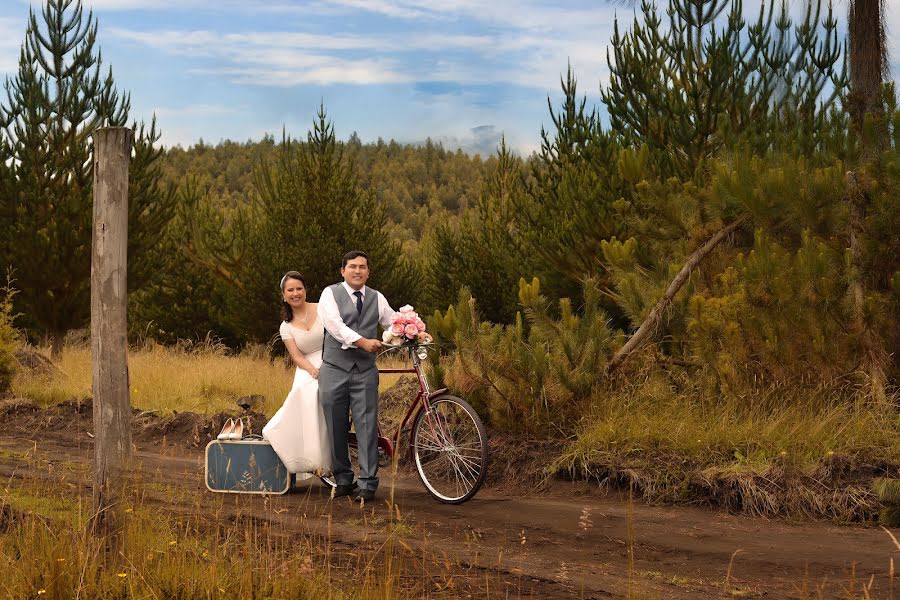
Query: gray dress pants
pixel 342 393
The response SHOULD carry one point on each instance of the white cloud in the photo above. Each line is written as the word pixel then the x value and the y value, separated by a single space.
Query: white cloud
pixel 12 34
pixel 213 42
pixel 196 110
pixel 178 136
pixel 520 14
pixel 292 58
pixel 326 72
pixel 131 4
pixel 125 5
pixel 273 59
pixel 387 8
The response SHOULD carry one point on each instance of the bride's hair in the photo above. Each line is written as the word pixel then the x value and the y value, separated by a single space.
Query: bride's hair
pixel 287 313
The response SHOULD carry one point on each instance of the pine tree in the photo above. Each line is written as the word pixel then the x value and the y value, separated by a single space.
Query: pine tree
pixel 679 96
pixel 686 87
pixel 568 207
pixel 54 103
pixel 190 301
pixel 868 59
pixel 485 253
pixel 308 211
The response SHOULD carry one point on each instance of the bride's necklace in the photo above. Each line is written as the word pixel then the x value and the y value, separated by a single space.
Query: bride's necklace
pixel 305 318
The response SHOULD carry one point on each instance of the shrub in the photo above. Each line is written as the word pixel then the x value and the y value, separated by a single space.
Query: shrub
pixel 536 375
pixel 9 338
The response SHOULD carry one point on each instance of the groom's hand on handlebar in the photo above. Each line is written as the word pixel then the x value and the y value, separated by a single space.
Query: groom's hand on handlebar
pixel 369 345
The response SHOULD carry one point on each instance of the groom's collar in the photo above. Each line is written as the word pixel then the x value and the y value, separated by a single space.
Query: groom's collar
pixel 350 290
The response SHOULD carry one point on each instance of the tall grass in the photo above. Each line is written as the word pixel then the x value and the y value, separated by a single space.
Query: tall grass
pixel 804 453
pixel 743 435
pixel 47 551
pixel 203 378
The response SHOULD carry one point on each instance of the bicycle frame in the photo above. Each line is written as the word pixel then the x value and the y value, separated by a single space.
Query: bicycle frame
pixel 419 404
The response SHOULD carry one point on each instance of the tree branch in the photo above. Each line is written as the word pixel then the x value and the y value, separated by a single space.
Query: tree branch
pixel 652 321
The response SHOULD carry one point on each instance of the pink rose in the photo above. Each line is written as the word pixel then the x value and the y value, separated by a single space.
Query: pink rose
pixel 396 318
pixel 411 317
pixel 406 308
pixel 411 331
pixel 397 328
pixel 420 324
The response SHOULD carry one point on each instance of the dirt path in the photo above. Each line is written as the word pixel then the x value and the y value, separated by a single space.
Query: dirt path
pixel 570 541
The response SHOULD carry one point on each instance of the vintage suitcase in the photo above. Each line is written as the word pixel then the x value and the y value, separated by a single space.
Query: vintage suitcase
pixel 245 467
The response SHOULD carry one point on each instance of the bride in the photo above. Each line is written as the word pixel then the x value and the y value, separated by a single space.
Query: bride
pixel 297 431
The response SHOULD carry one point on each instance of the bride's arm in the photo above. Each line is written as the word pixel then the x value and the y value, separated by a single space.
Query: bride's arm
pixel 299 359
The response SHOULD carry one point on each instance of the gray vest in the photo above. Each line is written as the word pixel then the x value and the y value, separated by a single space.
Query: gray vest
pixel 365 324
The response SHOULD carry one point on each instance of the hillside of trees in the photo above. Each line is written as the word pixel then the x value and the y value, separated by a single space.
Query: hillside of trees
pixel 417 185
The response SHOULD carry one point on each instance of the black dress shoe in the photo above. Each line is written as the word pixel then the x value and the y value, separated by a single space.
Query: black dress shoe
pixel 344 489
pixel 364 495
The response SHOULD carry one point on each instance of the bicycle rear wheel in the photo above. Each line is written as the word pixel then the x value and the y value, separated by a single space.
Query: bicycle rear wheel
pixel 450 449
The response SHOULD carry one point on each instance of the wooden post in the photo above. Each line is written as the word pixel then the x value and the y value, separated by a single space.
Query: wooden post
pixel 109 341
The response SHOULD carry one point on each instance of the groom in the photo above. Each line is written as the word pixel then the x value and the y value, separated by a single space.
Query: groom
pixel 348 379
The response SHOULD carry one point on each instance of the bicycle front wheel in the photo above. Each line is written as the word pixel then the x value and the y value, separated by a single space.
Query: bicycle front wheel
pixel 450 449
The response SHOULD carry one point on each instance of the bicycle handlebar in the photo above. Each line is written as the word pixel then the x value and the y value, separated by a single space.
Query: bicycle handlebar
pixel 413 348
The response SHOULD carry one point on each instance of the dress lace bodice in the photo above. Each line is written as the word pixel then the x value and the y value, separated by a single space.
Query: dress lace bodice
pixel 307 342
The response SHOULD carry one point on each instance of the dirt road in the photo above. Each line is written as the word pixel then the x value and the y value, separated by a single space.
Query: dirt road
pixel 571 541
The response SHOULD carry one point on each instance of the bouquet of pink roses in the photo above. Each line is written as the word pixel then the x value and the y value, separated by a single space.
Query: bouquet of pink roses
pixel 406 327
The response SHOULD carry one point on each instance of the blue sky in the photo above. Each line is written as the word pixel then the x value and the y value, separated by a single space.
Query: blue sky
pixel 461 72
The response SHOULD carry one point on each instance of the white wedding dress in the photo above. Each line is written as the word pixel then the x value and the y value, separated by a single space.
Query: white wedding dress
pixel 297 432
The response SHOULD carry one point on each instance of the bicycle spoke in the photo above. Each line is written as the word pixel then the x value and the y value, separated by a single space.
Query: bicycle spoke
pixel 467 460
pixel 460 477
pixel 431 447
pixel 471 471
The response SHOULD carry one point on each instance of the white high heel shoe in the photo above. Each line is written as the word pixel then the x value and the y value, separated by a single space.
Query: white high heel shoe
pixel 226 430
pixel 238 431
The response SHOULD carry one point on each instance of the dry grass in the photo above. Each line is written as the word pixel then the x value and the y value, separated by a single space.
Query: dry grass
pixel 742 436
pixel 47 551
pixel 203 379
pixel 776 454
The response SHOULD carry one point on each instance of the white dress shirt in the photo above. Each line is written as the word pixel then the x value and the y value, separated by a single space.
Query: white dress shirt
pixel 331 315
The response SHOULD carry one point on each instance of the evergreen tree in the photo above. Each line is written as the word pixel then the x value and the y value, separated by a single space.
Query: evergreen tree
pixel 54 103
pixel 308 211
pixel 868 58
pixel 686 87
pixel 568 207
pixel 189 301
pixel 680 95
pixel 485 252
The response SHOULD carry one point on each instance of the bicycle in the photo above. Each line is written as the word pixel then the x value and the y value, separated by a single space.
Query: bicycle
pixel 447 439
